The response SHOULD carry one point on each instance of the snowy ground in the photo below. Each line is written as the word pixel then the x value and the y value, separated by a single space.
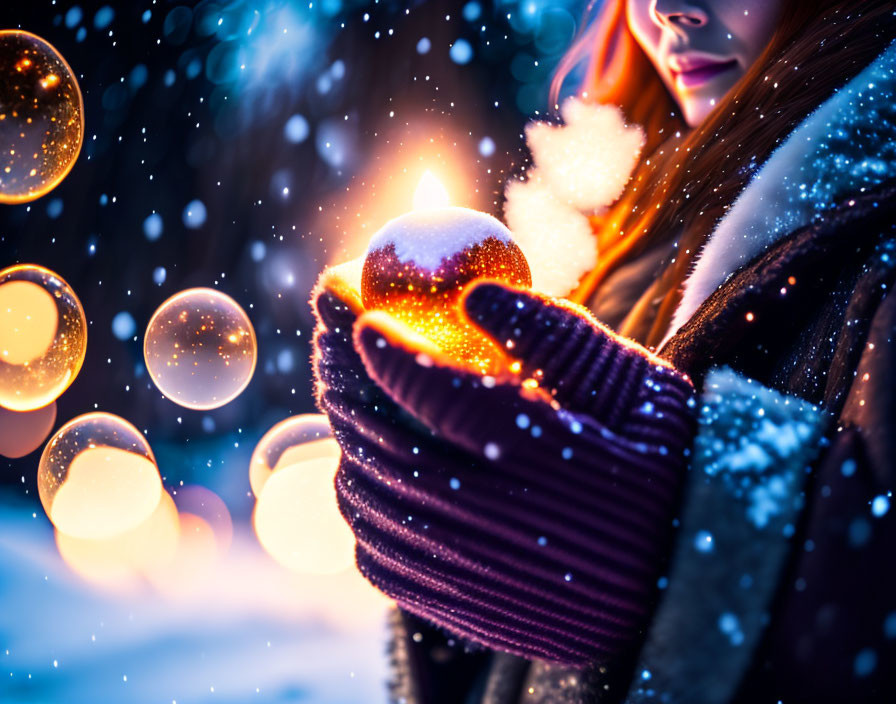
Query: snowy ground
pixel 246 631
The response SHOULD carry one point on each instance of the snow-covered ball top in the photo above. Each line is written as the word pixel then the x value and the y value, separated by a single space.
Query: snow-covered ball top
pixel 418 265
pixel 427 237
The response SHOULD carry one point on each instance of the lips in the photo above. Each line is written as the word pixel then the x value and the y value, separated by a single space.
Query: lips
pixel 694 72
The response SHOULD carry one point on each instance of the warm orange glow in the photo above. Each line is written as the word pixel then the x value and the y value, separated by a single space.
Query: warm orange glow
pixel 430 193
pixel 28 321
pixel 123 561
pixel 298 522
pixel 315 449
pixel 97 477
pixel 298 438
pixel 107 491
pixel 22 432
pixel 43 336
pixel 384 185
pixel 426 296
pixel 43 112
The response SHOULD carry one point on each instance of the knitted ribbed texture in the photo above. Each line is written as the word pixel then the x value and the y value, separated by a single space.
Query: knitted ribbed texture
pixel 533 527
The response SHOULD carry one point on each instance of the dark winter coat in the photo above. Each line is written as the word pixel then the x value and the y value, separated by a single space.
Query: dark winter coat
pixel 792 596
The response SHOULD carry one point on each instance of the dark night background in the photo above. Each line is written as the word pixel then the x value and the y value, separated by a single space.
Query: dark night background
pixel 243 145
pixel 172 118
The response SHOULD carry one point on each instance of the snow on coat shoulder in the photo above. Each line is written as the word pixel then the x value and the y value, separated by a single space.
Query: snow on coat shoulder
pixel 579 168
pixel 845 146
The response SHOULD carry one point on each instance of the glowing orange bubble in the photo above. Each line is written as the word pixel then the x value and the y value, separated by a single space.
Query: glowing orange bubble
pixel 41 117
pixel 22 432
pixel 43 337
pixel 288 442
pixel 418 264
pixel 97 477
pixel 200 348
pixel 296 518
pixel 122 562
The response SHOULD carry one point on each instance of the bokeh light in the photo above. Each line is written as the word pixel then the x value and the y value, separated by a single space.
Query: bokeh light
pixel 123 562
pixel 229 102
pixel 41 117
pixel 43 337
pixel 200 348
pixel 22 432
pixel 296 517
pixel 296 437
pixel 207 505
pixel 190 570
pixel 97 477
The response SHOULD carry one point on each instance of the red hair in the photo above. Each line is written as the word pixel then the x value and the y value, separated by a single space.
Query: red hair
pixel 688 179
pixel 618 72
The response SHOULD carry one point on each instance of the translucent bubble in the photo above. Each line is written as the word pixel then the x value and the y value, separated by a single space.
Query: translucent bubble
pixel 43 337
pixel 41 117
pixel 22 432
pixel 296 518
pixel 97 477
pixel 291 440
pixel 200 348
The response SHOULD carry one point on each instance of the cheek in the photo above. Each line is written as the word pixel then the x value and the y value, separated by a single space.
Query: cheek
pixel 643 28
pixel 753 22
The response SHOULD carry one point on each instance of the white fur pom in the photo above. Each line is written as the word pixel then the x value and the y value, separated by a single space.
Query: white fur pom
pixel 580 168
pixel 587 161
pixel 556 239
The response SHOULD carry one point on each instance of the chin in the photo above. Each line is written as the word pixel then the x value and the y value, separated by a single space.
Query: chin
pixel 696 105
pixel 695 112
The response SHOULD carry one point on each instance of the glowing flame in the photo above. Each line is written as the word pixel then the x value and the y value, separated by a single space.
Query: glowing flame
pixel 430 193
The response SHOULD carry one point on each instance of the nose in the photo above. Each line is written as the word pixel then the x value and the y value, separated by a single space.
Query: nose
pixel 678 14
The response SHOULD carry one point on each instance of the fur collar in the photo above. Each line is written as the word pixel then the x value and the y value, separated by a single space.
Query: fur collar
pixel 846 146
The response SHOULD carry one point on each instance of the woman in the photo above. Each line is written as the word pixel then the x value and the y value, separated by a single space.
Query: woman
pixel 709 524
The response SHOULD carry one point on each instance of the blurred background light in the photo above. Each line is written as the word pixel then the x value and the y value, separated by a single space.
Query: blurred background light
pixel 239 145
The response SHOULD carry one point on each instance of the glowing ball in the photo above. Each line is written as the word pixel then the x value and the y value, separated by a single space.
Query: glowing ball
pixel 200 348
pixel 22 432
pixel 296 437
pixel 296 517
pixel 41 117
pixel 43 337
pixel 123 561
pixel 97 477
pixel 418 264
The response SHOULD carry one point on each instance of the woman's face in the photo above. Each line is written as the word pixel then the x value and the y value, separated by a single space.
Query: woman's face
pixel 702 47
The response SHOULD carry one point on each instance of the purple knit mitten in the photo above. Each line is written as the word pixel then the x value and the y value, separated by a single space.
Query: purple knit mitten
pixel 530 520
